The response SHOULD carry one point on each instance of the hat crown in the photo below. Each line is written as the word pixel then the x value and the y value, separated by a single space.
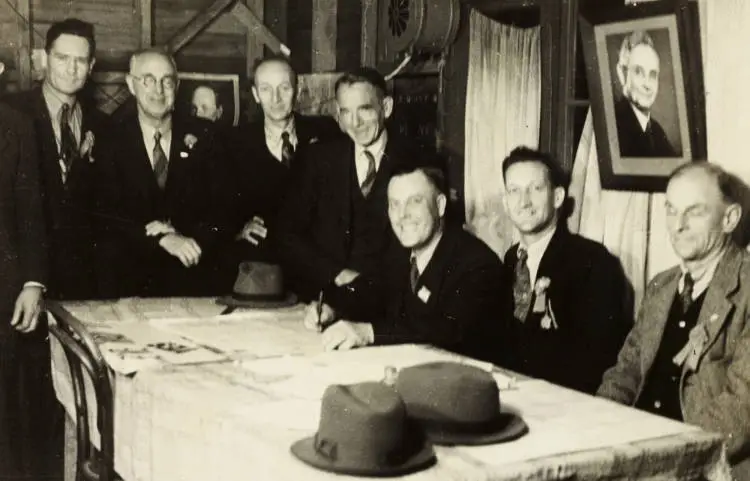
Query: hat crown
pixel 448 391
pixel 362 424
pixel 259 278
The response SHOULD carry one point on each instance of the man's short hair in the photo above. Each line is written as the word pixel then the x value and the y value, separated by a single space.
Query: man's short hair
pixel 729 185
pixel 363 75
pixel 434 174
pixel 632 40
pixel 152 51
pixel 71 26
pixel 521 154
pixel 275 57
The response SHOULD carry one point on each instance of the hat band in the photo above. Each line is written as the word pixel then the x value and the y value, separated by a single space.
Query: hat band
pixel 460 427
pixel 259 297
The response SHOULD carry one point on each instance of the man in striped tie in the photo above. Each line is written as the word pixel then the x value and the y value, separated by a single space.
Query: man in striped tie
pixel 444 287
pixel 333 224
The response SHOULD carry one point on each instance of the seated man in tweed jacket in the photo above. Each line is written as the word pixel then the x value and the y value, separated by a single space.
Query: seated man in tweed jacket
pixel 688 355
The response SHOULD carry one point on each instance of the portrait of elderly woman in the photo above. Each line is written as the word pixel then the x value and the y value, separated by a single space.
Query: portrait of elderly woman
pixel 641 82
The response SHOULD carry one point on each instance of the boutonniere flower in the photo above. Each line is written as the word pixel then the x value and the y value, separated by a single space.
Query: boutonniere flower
pixel 542 303
pixel 190 141
pixel 87 145
pixel 313 140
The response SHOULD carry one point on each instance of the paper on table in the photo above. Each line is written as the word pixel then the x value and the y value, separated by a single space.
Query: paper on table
pixel 141 309
pixel 564 421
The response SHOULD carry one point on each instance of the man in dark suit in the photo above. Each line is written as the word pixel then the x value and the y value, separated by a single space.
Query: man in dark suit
pixel 688 356
pixel 23 267
pixel 267 151
pixel 638 133
pixel 164 206
pixel 333 224
pixel 66 133
pixel 571 308
pixel 441 285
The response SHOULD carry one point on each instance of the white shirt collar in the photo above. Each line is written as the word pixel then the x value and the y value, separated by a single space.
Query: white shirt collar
pixel 273 132
pixel 701 283
pixel 377 148
pixel 425 255
pixel 643 119
pixel 535 253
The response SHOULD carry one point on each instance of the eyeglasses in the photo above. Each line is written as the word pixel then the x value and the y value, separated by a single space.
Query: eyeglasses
pixel 149 81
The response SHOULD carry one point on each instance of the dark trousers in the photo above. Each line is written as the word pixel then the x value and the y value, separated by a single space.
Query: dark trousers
pixel 31 419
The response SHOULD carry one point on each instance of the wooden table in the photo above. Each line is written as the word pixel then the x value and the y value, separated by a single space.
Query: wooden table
pixel 234 418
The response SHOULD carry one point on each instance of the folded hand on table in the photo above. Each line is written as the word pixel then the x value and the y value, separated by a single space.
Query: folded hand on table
pixel 312 322
pixel 345 335
pixel 27 309
pixel 184 248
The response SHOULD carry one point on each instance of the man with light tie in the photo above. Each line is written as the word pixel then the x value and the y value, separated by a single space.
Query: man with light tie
pixel 334 224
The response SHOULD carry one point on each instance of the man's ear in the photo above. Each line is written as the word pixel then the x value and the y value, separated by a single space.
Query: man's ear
pixel 219 112
pixel 91 65
pixel 129 80
pixel 559 197
pixel 442 202
pixel 387 106
pixel 732 217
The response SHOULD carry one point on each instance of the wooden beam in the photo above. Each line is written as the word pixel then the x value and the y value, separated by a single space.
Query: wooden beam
pixel 276 17
pixel 144 22
pixel 197 24
pixel 369 43
pixel 324 35
pixel 549 31
pixel 24 46
pixel 564 148
pixel 258 32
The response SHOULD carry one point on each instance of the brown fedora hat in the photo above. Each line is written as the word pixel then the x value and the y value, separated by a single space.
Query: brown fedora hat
pixel 259 285
pixel 364 431
pixel 457 404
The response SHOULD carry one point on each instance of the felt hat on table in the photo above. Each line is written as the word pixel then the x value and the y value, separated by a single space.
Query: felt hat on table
pixel 457 404
pixel 364 431
pixel 259 285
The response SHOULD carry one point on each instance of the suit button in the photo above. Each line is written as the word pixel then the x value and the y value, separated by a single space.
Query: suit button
pixel 681 324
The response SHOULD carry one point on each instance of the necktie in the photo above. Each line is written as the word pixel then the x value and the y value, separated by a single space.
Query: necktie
pixel 68 142
pixel 369 180
pixel 686 296
pixel 521 286
pixel 413 274
pixel 160 161
pixel 287 149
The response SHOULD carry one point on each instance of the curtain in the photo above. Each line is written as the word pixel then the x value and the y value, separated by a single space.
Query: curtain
pixel 502 111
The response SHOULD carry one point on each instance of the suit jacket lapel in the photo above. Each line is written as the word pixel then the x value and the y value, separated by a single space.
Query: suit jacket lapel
pixel 550 263
pixel 139 159
pixel 658 308
pixel 48 145
pixel 435 273
pixel 718 304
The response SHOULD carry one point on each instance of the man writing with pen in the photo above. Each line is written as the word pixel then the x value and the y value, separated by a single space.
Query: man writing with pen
pixel 441 286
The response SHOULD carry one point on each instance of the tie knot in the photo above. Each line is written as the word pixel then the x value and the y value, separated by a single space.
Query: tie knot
pixel 157 136
pixel 285 136
pixel 368 155
pixel 65 112
pixel 522 254
pixel 688 283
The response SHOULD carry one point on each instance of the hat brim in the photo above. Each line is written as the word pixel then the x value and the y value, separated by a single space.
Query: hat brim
pixel 289 300
pixel 304 450
pixel 505 427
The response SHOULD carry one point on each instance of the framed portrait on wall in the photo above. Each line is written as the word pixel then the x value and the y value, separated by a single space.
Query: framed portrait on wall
pixel 225 88
pixel 644 70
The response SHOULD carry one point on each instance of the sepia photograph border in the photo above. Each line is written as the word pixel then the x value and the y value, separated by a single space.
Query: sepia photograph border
pixel 680 18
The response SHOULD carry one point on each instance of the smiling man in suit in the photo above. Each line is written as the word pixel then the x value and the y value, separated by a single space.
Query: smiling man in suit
pixel 570 295
pixel 440 286
pixel 67 129
pixel 688 355
pixel 164 207
pixel 334 224
pixel 268 149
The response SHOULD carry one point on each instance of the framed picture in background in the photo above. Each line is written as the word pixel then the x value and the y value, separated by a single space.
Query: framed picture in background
pixel 225 86
pixel 646 85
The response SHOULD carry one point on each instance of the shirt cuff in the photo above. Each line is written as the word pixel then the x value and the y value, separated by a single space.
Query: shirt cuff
pixel 35 284
pixel 370 333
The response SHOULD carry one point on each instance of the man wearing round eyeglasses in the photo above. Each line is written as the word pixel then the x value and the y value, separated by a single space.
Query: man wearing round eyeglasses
pixel 163 206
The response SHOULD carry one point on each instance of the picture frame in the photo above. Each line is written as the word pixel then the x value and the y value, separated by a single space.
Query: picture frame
pixel 645 76
pixel 226 85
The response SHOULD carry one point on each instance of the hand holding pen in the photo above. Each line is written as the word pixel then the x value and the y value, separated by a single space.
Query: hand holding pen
pixel 318 315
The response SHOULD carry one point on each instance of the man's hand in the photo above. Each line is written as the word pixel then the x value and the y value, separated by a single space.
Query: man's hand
pixel 345 335
pixel 184 248
pixel 254 231
pixel 311 316
pixel 28 307
pixel 346 276
pixel 158 227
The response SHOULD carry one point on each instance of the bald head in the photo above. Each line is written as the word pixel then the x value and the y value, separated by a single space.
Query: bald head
pixel 205 103
pixel 153 82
